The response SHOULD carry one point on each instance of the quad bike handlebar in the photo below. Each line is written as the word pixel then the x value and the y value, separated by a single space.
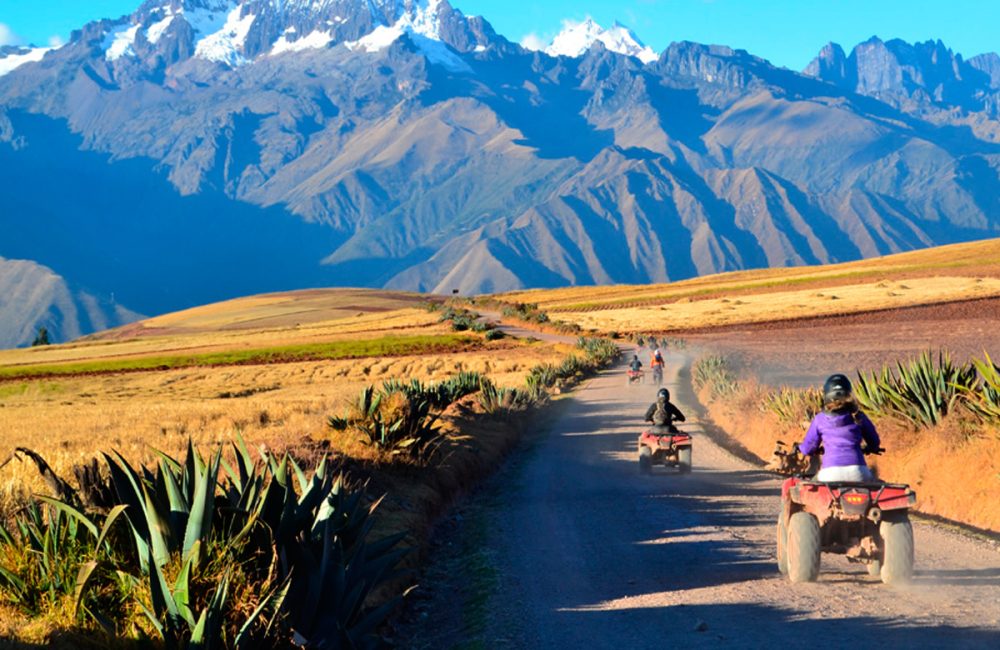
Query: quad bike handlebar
pixel 789 461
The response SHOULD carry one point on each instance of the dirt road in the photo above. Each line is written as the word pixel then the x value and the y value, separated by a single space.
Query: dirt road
pixel 581 551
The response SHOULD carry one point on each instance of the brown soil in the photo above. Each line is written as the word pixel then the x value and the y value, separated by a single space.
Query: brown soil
pixel 803 352
pixel 824 283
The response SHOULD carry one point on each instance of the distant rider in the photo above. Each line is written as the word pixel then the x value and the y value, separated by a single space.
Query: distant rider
pixel 662 412
pixel 840 428
pixel 636 365
pixel 657 360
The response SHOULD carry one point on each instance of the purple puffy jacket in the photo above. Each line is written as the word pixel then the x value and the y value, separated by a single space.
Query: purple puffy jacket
pixel 841 435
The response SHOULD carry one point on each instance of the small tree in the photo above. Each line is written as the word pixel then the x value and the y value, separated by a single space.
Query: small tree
pixel 42 338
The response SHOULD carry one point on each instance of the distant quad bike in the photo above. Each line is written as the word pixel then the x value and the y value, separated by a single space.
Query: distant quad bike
pixel 634 377
pixel 868 522
pixel 664 446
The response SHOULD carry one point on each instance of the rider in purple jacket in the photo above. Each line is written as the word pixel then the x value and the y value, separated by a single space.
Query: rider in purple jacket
pixel 840 428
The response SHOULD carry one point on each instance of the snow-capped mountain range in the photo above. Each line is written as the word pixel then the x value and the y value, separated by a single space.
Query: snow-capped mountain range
pixel 197 150
pixel 235 32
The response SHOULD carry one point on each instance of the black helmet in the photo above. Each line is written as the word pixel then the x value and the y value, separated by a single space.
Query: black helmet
pixel 663 393
pixel 836 387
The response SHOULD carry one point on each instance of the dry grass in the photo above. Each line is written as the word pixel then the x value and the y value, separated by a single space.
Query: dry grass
pixel 784 304
pixel 283 406
pixel 143 343
pixel 945 273
pixel 70 420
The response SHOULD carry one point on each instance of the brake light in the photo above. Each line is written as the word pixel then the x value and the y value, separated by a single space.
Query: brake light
pixel 855 501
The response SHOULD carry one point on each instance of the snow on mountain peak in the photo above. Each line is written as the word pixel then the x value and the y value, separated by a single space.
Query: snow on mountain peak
pixel 417 18
pixel 221 27
pixel 223 43
pixel 10 62
pixel 421 20
pixel 577 37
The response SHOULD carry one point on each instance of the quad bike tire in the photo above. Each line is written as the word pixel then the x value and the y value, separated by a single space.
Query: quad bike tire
pixel 645 459
pixel 803 547
pixel 684 459
pixel 782 535
pixel 897 537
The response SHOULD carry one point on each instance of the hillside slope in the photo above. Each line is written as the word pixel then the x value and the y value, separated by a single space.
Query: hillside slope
pixel 945 274
pixel 405 145
pixel 34 296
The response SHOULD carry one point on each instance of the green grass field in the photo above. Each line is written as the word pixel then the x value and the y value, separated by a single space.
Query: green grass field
pixel 387 346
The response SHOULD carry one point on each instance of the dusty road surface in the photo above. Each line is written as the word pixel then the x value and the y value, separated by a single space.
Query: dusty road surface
pixel 575 549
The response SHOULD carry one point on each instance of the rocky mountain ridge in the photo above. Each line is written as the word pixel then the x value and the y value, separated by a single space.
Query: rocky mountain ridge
pixel 210 148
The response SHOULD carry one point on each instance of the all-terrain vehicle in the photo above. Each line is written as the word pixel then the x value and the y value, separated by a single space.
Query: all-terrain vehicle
pixel 634 377
pixel 867 521
pixel 665 446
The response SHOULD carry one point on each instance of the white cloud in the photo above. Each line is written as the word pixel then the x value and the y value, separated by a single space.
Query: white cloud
pixel 56 41
pixel 7 36
pixel 533 41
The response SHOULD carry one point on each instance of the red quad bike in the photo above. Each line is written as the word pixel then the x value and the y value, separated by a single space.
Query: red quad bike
pixel 868 522
pixel 634 377
pixel 664 446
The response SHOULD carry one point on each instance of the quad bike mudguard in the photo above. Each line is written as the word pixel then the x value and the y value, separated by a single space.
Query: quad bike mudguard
pixel 846 500
pixel 667 440
pixel 667 446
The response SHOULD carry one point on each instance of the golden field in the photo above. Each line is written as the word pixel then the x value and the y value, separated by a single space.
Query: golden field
pixel 256 322
pixel 937 275
pixel 71 419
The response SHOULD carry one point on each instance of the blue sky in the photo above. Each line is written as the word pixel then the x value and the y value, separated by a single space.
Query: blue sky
pixel 786 32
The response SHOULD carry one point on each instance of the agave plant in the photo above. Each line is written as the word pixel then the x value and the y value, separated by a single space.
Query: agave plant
pixel 44 549
pixel 713 371
pixel 984 398
pixel 456 387
pixel 299 542
pixel 921 392
pixel 794 406
pixel 600 350
pixel 396 423
pixel 545 375
pixel 497 400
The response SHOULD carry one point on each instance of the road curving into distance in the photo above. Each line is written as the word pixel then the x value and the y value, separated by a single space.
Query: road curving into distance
pixel 588 553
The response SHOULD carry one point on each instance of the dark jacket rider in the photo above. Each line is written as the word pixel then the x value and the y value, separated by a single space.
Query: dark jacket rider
pixel 662 412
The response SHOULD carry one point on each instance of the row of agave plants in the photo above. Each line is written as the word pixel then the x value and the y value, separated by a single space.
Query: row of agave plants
pixel 663 342
pixel 528 313
pixel 918 393
pixel 923 391
pixel 203 552
pixel 462 319
pixel 402 418
pixel 236 550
